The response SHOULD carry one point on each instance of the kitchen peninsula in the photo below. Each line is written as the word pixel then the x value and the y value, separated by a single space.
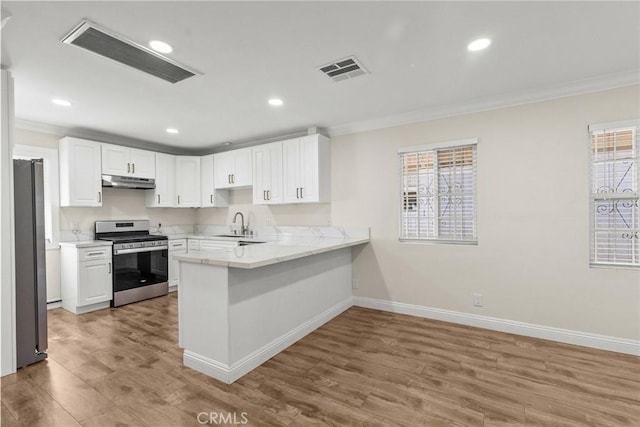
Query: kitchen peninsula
pixel 240 306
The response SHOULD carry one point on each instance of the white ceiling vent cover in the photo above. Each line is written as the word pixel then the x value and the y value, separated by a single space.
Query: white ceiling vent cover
pixel 343 69
pixel 93 38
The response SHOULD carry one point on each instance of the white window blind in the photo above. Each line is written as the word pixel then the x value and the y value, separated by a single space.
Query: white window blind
pixel 438 188
pixel 615 153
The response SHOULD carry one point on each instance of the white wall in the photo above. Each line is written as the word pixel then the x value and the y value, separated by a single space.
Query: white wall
pixel 532 258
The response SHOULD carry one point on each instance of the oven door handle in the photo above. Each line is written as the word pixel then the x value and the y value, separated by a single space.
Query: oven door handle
pixel 138 250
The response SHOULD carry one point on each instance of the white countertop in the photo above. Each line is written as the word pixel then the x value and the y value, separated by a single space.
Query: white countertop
pixel 273 252
pixel 87 243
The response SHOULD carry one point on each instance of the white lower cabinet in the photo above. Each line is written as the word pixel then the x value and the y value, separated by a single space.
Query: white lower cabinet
pixel 176 247
pixel 86 277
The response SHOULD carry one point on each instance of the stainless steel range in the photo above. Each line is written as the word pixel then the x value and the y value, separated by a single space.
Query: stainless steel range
pixel 140 260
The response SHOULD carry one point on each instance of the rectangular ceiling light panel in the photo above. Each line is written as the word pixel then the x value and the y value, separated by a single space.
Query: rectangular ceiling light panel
pixel 343 69
pixel 89 36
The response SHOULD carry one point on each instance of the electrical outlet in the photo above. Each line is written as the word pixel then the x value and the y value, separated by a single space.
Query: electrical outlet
pixel 354 283
pixel 75 226
pixel 477 300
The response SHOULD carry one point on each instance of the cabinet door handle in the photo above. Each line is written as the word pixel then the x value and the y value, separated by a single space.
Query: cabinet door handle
pixel 99 196
pixel 94 253
pixel 268 194
pixel 158 198
pixel 301 196
pixel 128 167
pixel 178 199
pixel 233 178
pixel 211 198
pixel 109 268
pixel 133 168
pixel 297 192
pixel 228 179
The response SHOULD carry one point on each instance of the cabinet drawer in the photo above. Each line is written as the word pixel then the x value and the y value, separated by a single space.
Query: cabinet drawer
pixel 100 252
pixel 178 245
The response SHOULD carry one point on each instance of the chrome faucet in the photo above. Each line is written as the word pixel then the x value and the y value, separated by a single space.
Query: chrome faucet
pixel 243 230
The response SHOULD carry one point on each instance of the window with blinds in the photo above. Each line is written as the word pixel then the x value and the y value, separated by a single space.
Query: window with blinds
pixel 438 188
pixel 615 153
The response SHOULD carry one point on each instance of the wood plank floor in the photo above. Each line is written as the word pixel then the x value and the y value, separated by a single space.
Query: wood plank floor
pixel 123 367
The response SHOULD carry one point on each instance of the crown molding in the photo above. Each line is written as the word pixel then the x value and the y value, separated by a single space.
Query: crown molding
pixel 578 87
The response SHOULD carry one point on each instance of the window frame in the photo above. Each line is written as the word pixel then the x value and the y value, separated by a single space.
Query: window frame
pixel 633 125
pixel 434 147
pixel 50 156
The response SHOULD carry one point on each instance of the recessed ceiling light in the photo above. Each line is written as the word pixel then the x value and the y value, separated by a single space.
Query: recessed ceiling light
pixel 172 130
pixel 479 44
pixel 61 102
pixel 160 46
pixel 276 102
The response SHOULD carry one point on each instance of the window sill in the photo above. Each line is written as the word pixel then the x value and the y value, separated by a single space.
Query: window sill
pixel 615 266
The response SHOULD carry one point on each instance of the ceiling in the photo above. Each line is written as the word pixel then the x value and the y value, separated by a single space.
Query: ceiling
pixel 251 51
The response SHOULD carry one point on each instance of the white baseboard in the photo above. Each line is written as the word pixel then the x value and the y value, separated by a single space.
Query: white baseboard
pixel 55 304
pixel 210 367
pixel 229 374
pixel 602 342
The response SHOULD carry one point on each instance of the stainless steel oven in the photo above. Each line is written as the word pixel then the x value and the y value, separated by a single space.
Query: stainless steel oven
pixel 140 260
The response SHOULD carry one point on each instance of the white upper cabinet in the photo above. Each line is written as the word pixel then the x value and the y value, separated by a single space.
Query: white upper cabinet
pixel 80 181
pixel 143 163
pixel 209 196
pixel 188 181
pixel 125 161
pixel 232 169
pixel 164 195
pixel 267 174
pixel 307 169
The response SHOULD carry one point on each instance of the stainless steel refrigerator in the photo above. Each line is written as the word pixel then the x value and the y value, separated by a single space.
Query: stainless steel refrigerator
pixel 31 279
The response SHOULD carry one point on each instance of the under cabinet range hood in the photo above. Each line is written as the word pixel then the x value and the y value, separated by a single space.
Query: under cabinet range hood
pixel 128 182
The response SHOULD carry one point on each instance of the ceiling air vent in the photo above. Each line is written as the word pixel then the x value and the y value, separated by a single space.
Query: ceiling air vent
pixel 344 69
pixel 91 37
